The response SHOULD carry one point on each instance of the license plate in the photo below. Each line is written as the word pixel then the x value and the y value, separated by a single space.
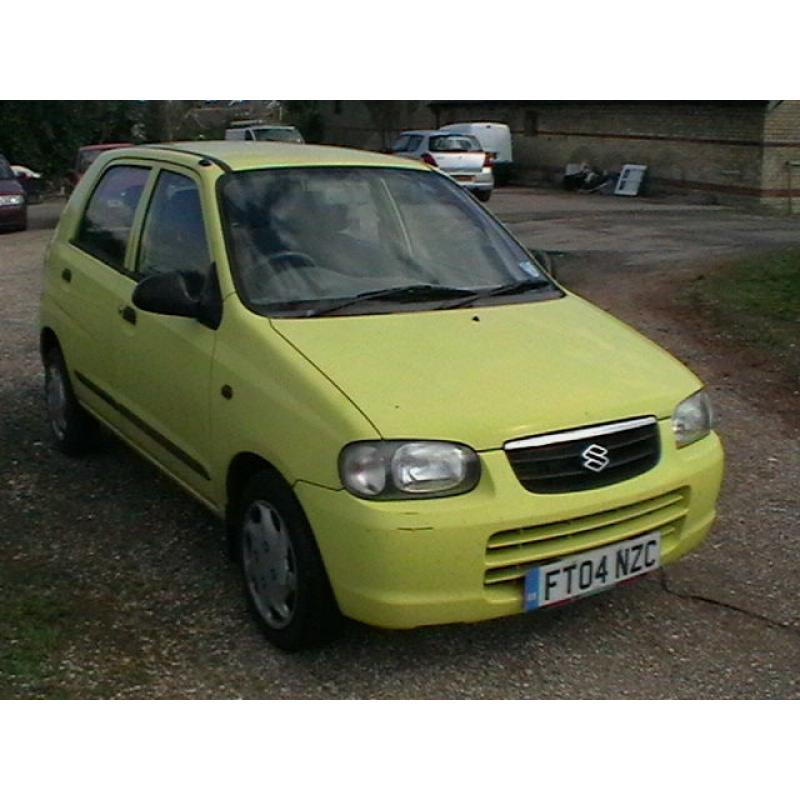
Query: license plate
pixel 465 178
pixel 591 571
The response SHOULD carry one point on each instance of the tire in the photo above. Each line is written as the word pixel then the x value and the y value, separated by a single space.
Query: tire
pixel 484 195
pixel 73 430
pixel 285 582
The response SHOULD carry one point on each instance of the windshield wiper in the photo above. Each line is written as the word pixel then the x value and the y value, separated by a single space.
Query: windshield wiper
pixel 414 292
pixel 525 285
pixel 517 287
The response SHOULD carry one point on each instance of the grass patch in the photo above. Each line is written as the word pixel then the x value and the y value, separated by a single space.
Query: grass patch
pixel 32 631
pixel 41 618
pixel 757 300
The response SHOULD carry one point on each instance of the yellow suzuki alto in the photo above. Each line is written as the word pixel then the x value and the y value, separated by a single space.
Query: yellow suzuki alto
pixel 399 415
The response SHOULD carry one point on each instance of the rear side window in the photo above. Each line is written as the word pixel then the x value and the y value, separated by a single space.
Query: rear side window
pixel 401 144
pixel 174 238
pixel 278 135
pixel 108 219
pixel 454 144
pixel 406 144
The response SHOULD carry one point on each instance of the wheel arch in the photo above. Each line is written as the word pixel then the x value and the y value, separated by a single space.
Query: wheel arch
pixel 243 466
pixel 47 341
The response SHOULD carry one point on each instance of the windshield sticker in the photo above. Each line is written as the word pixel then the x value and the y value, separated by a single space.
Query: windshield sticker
pixel 530 268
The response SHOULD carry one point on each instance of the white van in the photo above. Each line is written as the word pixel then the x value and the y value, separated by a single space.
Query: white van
pixel 252 131
pixel 495 137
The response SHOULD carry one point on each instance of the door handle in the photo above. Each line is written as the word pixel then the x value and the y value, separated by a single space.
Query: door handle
pixel 128 314
pixel 66 275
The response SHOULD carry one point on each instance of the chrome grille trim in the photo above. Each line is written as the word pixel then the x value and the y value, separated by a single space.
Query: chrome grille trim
pixel 578 433
pixel 555 463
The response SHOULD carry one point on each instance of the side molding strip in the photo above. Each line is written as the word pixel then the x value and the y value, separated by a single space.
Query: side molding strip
pixel 169 446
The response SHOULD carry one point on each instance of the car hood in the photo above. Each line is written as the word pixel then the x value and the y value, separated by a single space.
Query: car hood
pixel 10 186
pixel 485 375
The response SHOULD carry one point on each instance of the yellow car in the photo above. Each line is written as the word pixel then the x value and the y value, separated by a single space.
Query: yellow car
pixel 399 415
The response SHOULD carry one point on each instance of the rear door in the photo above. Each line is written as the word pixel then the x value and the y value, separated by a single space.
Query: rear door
pixel 91 280
pixel 165 362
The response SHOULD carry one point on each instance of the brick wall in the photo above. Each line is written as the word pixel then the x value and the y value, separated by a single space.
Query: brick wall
pixel 733 152
pixel 712 148
pixel 354 123
pixel 780 181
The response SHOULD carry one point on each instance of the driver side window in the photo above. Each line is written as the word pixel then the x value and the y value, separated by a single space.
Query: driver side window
pixel 174 238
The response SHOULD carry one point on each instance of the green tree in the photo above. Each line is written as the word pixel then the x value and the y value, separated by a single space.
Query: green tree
pixel 45 134
pixel 306 116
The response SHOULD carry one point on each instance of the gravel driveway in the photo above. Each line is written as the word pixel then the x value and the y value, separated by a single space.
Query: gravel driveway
pixel 121 582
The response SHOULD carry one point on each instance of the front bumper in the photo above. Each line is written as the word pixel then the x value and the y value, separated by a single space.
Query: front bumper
pixel 13 216
pixel 402 564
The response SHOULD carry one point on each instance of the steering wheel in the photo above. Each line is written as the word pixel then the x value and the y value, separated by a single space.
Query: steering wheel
pixel 300 259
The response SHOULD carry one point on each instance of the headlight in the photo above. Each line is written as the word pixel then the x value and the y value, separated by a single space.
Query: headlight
pixel 395 470
pixel 692 419
pixel 12 199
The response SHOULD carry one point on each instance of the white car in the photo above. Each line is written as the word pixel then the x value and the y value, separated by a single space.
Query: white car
pixel 458 155
pixel 495 137
pixel 254 131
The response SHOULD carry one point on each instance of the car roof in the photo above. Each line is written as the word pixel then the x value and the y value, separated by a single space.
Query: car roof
pixel 233 156
pixel 474 124
pixel 434 133
pixel 236 125
pixel 108 146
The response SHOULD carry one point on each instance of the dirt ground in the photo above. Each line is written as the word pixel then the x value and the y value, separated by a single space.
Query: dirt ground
pixel 115 584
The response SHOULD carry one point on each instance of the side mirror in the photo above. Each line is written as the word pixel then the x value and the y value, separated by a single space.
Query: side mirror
pixel 166 293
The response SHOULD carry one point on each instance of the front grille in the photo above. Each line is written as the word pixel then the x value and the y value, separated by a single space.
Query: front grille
pixel 510 554
pixel 572 461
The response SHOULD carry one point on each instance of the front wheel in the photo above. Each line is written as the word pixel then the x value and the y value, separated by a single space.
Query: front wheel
pixel 285 581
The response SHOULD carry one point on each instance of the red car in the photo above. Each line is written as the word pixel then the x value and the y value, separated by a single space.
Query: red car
pixel 13 205
pixel 86 156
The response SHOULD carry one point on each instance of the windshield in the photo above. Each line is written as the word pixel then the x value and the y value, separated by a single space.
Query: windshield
pixel 277 135
pixel 6 173
pixel 302 237
pixel 454 144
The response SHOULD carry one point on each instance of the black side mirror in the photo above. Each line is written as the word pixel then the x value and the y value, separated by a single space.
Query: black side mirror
pixel 166 293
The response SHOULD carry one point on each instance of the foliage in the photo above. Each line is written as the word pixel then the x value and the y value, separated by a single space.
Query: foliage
pixel 307 118
pixel 45 134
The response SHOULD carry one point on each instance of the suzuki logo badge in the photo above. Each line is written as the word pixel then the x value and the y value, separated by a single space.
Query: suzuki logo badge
pixel 595 458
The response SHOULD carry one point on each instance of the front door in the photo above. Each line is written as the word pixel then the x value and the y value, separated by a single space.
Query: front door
pixel 164 373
